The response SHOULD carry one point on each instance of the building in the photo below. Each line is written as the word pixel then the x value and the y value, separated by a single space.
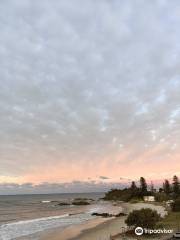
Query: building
pixel 149 198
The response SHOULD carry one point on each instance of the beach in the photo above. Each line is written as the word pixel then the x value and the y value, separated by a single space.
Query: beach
pixel 100 228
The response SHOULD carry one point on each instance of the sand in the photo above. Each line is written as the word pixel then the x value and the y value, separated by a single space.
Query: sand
pixel 73 231
pixel 100 228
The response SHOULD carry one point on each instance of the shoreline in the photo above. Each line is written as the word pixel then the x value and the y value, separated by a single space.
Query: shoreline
pixel 99 227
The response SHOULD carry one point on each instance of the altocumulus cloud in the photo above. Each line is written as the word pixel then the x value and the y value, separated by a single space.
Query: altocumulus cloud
pixel 88 83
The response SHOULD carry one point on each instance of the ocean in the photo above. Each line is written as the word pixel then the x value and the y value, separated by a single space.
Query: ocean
pixel 28 215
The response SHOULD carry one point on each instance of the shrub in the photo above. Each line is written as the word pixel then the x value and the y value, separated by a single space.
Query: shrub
pixel 145 218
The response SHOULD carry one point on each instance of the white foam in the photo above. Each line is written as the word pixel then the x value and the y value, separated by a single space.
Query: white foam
pixel 45 201
pixel 37 220
pixel 24 228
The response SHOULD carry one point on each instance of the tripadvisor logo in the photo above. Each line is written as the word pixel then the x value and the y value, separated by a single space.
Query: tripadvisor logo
pixel 140 231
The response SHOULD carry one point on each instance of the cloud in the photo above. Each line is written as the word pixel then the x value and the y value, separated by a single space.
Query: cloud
pixel 103 177
pixel 88 89
pixel 43 188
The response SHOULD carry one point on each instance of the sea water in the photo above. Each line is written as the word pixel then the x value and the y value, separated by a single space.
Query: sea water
pixel 24 215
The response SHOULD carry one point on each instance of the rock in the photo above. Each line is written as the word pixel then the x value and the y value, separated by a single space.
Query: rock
pixel 63 204
pixel 79 203
pixel 106 215
pixel 121 214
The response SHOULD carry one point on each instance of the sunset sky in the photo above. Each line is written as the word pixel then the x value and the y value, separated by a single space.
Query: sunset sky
pixel 89 93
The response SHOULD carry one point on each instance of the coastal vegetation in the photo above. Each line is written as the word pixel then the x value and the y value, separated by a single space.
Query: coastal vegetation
pixel 145 218
pixel 130 193
pixel 137 191
pixel 168 195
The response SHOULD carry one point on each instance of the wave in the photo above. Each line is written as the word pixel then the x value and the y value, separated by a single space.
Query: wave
pixel 36 220
pixel 18 229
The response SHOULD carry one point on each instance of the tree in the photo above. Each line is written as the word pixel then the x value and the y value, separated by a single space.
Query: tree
pixel 176 189
pixel 143 186
pixel 152 187
pixel 133 186
pixel 161 190
pixel 145 218
pixel 167 187
pixel 134 190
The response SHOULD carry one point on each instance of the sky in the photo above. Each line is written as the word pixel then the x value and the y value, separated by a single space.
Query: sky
pixel 89 93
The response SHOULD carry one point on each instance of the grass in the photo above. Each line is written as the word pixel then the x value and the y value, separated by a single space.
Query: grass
pixel 171 221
